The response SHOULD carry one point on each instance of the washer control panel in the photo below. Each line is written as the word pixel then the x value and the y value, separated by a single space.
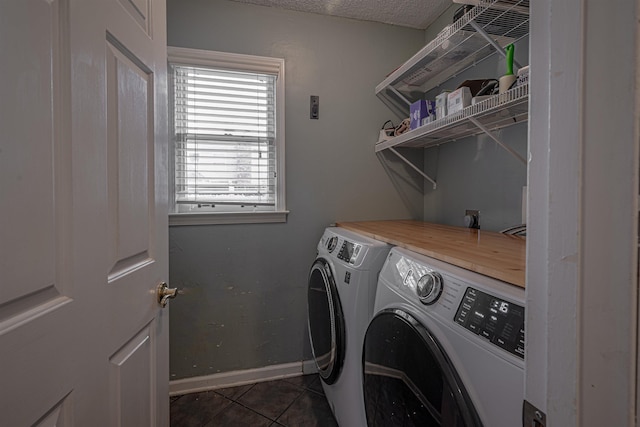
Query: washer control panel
pixel 499 321
pixel 349 252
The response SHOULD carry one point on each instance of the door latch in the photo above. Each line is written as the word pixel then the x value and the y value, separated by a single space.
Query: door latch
pixel 532 416
pixel 163 293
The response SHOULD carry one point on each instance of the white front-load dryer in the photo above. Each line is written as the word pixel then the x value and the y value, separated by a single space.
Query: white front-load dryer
pixel 445 347
pixel 341 295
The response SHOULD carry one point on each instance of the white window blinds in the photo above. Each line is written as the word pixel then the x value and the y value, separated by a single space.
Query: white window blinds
pixel 225 129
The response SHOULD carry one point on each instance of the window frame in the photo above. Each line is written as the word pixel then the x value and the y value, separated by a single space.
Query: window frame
pixel 234 62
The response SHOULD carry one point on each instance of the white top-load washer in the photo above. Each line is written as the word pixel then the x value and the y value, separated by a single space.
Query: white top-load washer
pixel 445 347
pixel 341 294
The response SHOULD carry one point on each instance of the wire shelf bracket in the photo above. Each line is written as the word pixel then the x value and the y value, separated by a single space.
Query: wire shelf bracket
pixel 412 166
pixel 491 41
pixel 497 140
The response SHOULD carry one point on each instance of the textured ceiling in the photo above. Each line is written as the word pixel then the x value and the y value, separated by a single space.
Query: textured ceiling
pixel 407 13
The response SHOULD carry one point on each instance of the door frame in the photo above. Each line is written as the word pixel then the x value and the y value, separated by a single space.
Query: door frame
pixel 582 214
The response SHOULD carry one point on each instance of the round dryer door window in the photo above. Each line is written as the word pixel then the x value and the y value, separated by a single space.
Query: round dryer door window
pixel 326 321
pixel 408 379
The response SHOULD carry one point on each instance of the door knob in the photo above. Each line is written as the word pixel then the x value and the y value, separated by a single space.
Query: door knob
pixel 164 293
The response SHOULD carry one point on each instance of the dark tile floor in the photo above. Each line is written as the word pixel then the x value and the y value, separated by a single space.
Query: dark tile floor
pixel 290 402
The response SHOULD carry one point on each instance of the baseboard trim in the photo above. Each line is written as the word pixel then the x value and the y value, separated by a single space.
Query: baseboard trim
pixel 238 378
pixel 309 367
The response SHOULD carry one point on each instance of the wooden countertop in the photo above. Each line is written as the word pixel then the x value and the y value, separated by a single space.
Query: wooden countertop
pixel 493 254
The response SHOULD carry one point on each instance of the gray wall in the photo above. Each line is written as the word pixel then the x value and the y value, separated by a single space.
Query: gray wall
pixel 474 172
pixel 443 20
pixel 244 301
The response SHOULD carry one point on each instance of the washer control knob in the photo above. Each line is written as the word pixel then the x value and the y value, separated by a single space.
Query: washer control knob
pixel 429 288
pixel 332 243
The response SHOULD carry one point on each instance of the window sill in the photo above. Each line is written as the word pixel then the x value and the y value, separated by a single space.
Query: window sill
pixel 227 218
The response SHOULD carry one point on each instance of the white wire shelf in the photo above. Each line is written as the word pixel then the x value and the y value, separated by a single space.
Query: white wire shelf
pixel 494 113
pixel 456 48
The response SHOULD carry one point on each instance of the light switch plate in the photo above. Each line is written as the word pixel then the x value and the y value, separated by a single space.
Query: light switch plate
pixel 314 107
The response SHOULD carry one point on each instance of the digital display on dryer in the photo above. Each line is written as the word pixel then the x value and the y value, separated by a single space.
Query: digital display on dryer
pixel 499 321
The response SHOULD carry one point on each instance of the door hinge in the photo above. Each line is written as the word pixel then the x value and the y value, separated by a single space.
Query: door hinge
pixel 532 416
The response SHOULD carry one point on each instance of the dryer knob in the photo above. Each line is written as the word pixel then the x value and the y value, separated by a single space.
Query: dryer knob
pixel 429 288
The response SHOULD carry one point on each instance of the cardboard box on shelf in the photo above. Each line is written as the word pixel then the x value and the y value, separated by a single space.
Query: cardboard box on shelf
pixel 458 100
pixel 417 112
pixel 431 113
pixel 441 104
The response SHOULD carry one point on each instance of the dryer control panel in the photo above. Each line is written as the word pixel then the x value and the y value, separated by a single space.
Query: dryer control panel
pixel 501 322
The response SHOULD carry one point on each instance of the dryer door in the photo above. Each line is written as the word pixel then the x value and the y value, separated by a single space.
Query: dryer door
pixel 326 321
pixel 408 379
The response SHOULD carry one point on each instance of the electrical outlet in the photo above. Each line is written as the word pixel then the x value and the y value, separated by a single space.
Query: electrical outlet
pixel 472 218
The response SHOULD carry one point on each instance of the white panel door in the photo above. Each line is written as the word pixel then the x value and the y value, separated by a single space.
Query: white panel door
pixel 83 222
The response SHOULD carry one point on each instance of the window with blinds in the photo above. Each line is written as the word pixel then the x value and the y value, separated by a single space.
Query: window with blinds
pixel 225 139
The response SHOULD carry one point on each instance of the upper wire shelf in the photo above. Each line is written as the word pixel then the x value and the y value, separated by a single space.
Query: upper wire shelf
pixel 456 48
